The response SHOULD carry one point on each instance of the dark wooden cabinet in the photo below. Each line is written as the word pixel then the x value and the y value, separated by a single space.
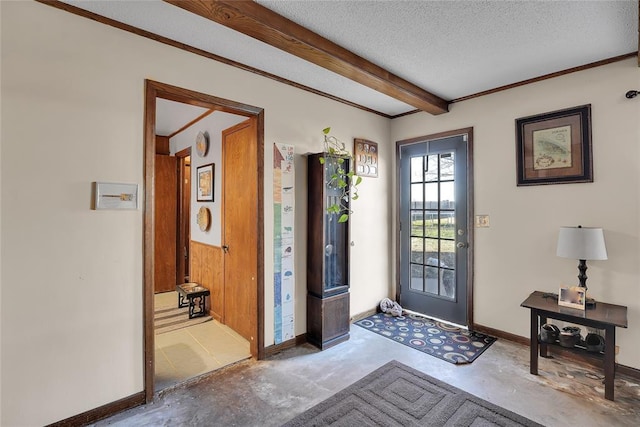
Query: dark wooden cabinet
pixel 327 320
pixel 327 257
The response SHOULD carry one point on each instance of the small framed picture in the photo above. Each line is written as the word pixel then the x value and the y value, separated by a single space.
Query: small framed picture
pixel 572 297
pixel 205 183
pixel 365 154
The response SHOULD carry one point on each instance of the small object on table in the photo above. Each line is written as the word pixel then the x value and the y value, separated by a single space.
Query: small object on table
pixel 194 296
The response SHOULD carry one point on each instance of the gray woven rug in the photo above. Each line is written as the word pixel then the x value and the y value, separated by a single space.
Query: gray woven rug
pixel 397 395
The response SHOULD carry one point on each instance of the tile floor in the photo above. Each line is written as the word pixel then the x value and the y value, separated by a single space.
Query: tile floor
pixel 189 352
pixel 271 392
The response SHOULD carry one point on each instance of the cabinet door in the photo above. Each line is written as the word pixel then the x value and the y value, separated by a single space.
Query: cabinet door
pixel 336 234
pixel 328 239
pixel 328 320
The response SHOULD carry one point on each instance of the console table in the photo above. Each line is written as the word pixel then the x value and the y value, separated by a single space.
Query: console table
pixel 602 316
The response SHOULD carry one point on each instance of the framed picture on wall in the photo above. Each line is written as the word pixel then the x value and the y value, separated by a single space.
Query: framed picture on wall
pixel 205 176
pixel 555 147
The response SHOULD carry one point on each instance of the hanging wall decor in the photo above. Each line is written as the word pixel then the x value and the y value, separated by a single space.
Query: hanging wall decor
pixel 204 218
pixel 202 144
pixel 205 176
pixel 555 147
pixel 365 157
pixel 283 242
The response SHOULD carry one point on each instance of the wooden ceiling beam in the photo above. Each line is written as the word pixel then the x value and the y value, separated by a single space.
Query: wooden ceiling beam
pixel 257 21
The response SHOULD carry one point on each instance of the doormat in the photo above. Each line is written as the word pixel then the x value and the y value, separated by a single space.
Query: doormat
pixel 398 395
pixel 446 342
pixel 167 319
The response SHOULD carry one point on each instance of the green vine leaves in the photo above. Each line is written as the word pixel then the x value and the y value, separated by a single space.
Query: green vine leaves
pixel 342 176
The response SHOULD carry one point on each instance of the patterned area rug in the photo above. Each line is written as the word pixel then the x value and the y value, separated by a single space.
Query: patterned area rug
pixel 447 342
pixel 397 395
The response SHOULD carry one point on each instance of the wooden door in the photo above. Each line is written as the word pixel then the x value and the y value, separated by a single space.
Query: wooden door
pixel 165 223
pixel 240 228
pixel 184 203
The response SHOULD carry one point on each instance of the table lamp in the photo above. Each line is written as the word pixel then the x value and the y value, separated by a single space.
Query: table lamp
pixel 582 243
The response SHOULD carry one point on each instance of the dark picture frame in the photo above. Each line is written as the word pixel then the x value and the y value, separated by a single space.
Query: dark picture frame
pixel 205 180
pixel 555 147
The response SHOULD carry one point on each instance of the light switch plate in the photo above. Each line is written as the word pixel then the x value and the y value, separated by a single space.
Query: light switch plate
pixel 482 221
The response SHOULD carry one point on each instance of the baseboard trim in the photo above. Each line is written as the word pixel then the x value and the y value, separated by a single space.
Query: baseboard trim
pixel 628 371
pixel 101 412
pixel 559 352
pixel 363 315
pixel 501 334
pixel 277 348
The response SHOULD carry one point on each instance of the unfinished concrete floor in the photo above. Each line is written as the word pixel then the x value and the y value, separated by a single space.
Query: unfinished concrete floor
pixel 270 392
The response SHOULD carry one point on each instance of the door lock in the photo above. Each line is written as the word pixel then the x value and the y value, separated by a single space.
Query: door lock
pixel 225 248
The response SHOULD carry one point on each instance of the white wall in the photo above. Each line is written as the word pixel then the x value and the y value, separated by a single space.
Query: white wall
pixel 73 113
pixel 212 125
pixel 516 255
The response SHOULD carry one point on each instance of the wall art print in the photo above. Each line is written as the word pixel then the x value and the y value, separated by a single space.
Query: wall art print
pixel 283 241
pixel 555 147
pixel 205 182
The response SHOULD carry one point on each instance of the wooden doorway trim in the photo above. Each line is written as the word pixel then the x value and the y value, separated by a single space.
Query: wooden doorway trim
pixel 154 90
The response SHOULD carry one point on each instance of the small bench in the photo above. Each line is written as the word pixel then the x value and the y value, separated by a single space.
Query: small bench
pixel 194 296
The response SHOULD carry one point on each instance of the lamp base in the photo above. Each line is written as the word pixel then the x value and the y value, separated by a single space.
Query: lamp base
pixel 590 303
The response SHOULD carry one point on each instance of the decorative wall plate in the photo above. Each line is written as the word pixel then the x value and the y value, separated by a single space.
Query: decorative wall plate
pixel 202 144
pixel 204 218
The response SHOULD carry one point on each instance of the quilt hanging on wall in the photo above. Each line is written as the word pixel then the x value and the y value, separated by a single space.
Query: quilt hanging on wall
pixel 283 250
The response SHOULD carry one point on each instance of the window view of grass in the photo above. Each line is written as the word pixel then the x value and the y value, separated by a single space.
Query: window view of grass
pixel 425 241
pixel 433 228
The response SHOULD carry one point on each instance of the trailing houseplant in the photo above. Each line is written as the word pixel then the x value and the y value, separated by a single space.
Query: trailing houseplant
pixel 342 176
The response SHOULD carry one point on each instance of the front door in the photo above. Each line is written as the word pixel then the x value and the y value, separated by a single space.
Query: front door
pixel 434 226
pixel 240 229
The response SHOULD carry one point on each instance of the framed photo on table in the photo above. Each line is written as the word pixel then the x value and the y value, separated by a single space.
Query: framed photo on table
pixel 555 147
pixel 205 181
pixel 572 297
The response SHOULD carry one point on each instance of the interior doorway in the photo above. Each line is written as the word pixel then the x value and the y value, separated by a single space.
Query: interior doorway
pixel 254 115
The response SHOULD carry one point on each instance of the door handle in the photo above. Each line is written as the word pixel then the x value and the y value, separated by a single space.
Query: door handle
pixel 461 245
pixel 225 248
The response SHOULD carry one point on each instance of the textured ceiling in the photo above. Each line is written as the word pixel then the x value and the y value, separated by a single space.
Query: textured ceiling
pixel 458 48
pixel 452 49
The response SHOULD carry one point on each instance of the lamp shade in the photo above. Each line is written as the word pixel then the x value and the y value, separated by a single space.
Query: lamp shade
pixel 581 243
